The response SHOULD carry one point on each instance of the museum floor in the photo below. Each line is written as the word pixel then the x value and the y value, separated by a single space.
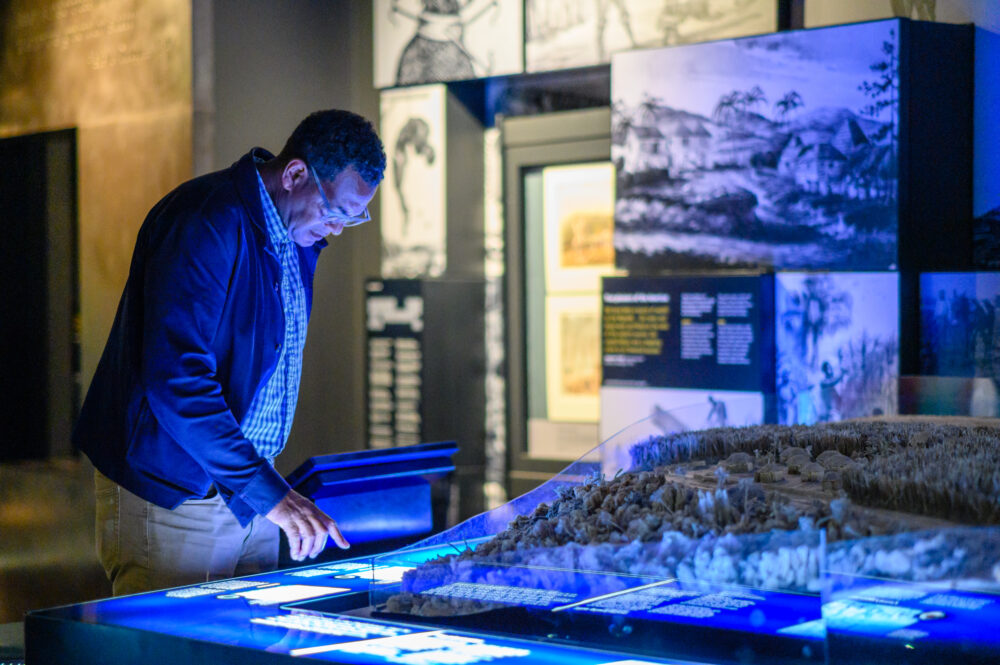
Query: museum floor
pixel 46 539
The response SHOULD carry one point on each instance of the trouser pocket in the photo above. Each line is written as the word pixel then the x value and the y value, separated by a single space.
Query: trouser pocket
pixel 107 523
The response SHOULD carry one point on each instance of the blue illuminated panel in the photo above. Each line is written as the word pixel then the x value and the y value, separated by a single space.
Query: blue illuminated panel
pixel 377 495
pixel 639 614
pixel 732 608
pixel 536 588
pixel 597 619
pixel 911 622
pixel 261 613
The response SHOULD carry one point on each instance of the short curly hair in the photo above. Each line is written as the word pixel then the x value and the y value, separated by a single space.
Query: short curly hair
pixel 332 140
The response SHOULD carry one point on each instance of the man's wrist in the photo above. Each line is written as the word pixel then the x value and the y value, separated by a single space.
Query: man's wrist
pixel 265 490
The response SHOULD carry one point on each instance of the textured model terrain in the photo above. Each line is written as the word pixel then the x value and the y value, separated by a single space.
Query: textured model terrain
pixel 751 506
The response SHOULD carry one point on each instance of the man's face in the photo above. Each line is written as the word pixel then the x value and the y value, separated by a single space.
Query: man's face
pixel 312 214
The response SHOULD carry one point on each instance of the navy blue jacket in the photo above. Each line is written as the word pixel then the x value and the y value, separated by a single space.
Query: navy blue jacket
pixel 196 335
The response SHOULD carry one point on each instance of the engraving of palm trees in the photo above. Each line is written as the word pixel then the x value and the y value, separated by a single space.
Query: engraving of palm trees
pixel 791 101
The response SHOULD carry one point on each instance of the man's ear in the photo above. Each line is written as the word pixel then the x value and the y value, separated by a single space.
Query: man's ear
pixel 294 174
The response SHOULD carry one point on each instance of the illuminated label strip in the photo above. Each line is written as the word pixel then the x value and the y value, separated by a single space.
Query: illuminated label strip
pixel 308 651
pixel 613 594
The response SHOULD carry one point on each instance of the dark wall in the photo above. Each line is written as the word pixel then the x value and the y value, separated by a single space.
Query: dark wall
pixel 272 64
pixel 38 268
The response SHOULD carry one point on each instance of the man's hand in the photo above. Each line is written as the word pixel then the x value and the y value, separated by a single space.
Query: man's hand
pixel 305 525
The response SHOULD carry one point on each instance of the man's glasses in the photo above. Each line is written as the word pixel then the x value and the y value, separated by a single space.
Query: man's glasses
pixel 337 215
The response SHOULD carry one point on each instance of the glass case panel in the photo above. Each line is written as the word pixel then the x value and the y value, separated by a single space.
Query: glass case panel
pixel 612 555
pixel 914 597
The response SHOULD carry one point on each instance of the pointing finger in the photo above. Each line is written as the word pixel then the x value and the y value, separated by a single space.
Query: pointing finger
pixel 337 536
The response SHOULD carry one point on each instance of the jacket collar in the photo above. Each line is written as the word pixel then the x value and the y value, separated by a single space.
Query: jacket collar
pixel 245 176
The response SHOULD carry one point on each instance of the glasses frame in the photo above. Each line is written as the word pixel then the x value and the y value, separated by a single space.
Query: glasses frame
pixel 331 214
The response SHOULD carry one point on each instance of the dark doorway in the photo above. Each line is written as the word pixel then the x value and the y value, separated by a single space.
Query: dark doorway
pixel 39 302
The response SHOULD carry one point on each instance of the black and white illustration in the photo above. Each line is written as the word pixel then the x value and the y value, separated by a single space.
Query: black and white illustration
pixel 986 238
pixel 668 410
pixel 766 151
pixel 986 152
pixel 560 34
pixel 426 41
pixel 960 324
pixel 837 345
pixel 413 194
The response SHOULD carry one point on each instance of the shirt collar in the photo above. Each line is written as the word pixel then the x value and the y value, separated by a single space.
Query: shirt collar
pixel 276 229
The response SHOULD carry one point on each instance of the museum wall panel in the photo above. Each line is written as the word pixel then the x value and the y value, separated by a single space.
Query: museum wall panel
pixel 117 185
pixel 260 67
pixel 120 72
pixel 985 14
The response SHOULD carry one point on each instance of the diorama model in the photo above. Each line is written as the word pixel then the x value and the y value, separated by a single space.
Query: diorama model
pixel 862 514
pixel 839 543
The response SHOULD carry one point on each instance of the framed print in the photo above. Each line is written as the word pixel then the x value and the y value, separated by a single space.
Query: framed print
pixel 560 34
pixel 959 335
pixel 579 226
pixel 837 346
pixel 985 15
pixel 413 191
pixel 774 151
pixel 572 357
pixel 427 41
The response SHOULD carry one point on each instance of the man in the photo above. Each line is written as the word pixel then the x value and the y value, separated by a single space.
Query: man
pixel 194 394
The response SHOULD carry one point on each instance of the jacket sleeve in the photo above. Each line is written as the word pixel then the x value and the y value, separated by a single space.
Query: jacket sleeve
pixel 187 282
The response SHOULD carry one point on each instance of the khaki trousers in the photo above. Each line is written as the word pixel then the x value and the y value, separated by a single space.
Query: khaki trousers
pixel 144 547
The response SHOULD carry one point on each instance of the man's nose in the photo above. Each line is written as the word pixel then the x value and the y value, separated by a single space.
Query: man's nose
pixel 335 227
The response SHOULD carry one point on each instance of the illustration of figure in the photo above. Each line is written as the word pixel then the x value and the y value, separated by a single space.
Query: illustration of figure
pixel 812 327
pixel 717 414
pixel 941 318
pixel 413 137
pixel 665 421
pixel 982 334
pixel 814 312
pixel 828 393
pixel 787 396
pixel 602 21
pixel 805 409
pixel 987 331
pixel 955 350
pixel 668 23
pixel 677 12
pixel 437 51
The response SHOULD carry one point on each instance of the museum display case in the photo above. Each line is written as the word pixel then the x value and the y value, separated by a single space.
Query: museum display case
pixel 837 543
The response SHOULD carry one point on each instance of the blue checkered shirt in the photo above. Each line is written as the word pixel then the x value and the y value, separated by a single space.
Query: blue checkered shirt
pixel 269 419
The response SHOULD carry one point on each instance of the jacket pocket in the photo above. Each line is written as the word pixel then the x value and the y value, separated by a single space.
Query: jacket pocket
pixel 160 459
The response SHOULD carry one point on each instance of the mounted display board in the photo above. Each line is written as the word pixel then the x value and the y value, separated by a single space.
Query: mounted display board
pixel 796 150
pixel 432 196
pixel 421 385
pixel 686 352
pixel 959 317
pixel 568 33
pixel 425 41
pixel 395 323
pixel 692 331
pixel 837 337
